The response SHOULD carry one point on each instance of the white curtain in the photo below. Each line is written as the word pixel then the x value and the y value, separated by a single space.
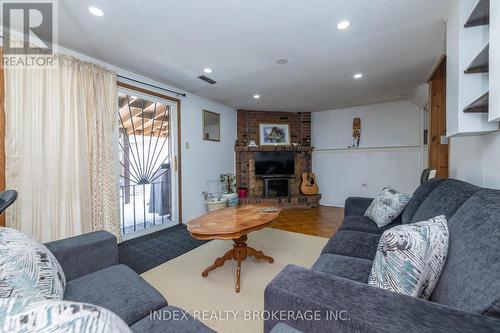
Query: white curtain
pixel 61 154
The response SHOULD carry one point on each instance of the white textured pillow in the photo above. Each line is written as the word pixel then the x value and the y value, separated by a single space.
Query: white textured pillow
pixel 410 257
pixel 28 268
pixel 21 315
pixel 387 206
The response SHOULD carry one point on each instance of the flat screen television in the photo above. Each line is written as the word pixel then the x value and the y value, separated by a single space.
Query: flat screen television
pixel 274 163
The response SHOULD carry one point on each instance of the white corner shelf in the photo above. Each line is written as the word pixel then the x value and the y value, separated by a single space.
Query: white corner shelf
pixel 469 49
pixel 494 62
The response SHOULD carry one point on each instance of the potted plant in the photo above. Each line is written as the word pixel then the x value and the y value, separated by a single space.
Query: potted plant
pixel 228 187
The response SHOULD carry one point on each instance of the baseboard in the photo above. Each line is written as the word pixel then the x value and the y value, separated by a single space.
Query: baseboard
pixel 331 204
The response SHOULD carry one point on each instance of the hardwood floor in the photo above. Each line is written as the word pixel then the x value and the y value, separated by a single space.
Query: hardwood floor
pixel 322 221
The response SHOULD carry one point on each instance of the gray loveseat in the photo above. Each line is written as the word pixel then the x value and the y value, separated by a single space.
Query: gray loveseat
pixel 466 298
pixel 90 263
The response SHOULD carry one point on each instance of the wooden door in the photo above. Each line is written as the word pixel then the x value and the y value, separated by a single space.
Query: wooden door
pixel 438 143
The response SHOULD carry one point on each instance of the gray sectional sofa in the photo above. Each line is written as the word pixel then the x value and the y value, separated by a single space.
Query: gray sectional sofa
pixel 466 298
pixel 90 264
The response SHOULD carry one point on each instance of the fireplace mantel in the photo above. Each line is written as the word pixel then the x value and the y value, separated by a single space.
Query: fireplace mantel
pixel 298 149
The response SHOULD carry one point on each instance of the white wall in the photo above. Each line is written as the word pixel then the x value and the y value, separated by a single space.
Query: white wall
pixel 390 152
pixel 204 160
pixel 476 159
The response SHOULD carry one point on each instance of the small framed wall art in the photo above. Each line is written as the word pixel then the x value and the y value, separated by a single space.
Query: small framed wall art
pixel 211 126
pixel 274 134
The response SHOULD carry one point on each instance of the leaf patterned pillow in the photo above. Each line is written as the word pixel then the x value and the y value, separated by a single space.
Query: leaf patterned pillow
pixel 28 268
pixel 23 315
pixel 410 257
pixel 387 206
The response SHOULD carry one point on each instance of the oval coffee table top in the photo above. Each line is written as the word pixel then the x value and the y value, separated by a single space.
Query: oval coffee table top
pixel 232 222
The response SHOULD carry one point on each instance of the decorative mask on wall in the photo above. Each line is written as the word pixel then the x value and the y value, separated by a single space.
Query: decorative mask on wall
pixel 356 132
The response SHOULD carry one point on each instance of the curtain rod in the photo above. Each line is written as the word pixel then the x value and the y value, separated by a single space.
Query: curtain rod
pixel 151 85
pixel 143 83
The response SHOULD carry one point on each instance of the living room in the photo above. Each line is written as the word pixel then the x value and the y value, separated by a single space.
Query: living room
pixel 251 166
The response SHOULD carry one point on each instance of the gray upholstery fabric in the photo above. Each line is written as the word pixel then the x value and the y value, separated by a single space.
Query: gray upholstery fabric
pixel 471 276
pixel 420 194
pixel 7 198
pixel 445 199
pixel 353 244
pixel 284 328
pixel 346 267
pixel 466 298
pixel 367 308
pixel 85 254
pixel 364 224
pixel 356 206
pixel 170 320
pixel 119 289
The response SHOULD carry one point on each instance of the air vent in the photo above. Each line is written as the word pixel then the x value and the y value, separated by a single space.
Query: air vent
pixel 207 79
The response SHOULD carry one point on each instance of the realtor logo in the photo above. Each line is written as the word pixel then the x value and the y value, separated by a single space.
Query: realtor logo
pixel 29 33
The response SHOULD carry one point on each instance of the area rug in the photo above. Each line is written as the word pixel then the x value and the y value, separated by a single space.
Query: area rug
pixel 213 299
pixel 146 252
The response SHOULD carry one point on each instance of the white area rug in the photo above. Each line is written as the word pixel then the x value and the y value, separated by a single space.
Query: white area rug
pixel 214 297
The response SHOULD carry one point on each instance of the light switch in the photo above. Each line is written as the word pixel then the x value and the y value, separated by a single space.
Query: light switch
pixel 187 145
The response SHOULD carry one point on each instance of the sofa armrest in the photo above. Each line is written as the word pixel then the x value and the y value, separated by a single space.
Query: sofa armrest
pixel 356 206
pixel 340 305
pixel 85 254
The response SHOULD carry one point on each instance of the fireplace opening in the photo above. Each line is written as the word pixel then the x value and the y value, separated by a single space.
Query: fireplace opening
pixel 276 187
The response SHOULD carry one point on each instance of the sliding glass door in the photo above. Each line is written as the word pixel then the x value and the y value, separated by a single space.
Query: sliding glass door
pixel 147 164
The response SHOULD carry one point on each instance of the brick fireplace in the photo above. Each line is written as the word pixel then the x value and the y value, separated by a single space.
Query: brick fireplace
pixel 300 132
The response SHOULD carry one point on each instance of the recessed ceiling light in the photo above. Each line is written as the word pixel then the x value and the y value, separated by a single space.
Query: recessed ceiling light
pixel 96 11
pixel 207 70
pixel 343 25
pixel 358 76
pixel 256 96
pixel 281 61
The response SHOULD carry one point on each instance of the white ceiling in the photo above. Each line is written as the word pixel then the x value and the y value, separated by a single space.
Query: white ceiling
pixel 394 43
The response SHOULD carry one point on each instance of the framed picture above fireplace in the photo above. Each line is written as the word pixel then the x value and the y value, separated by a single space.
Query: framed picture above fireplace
pixel 274 134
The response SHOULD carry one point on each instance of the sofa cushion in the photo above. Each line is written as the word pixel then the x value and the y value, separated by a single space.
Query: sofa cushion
pixel 364 224
pixel 471 275
pixel 28 268
pixel 84 254
pixel 342 266
pixel 170 320
pixel 445 200
pixel 410 258
pixel 119 289
pixel 353 244
pixel 420 194
pixel 387 206
pixel 284 328
pixel 55 316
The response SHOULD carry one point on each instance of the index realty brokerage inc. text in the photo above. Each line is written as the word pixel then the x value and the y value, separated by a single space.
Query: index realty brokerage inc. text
pixel 282 315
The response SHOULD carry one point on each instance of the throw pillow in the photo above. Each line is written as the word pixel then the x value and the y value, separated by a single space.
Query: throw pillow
pixel 23 315
pixel 28 268
pixel 387 206
pixel 410 257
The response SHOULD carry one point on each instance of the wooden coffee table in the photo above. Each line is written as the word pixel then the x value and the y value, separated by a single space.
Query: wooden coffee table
pixel 233 223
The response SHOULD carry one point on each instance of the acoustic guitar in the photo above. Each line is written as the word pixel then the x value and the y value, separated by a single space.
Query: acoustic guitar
pixel 309 185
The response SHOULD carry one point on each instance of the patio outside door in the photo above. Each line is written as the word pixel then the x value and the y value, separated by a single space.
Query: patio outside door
pixel 148 177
